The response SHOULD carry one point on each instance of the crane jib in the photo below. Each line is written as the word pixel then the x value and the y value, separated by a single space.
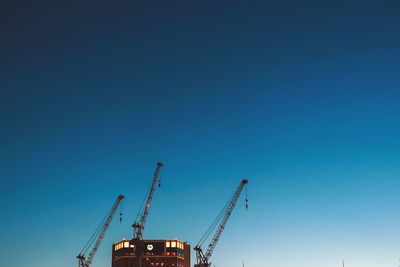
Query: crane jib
pixel 95 240
pixel 203 258
pixel 139 226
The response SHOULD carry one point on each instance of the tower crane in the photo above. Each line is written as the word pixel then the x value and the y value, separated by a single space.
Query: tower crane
pixel 94 242
pixel 222 218
pixel 138 226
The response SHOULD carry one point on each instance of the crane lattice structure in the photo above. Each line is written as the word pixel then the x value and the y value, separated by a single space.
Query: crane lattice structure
pixel 223 217
pixel 138 226
pixel 92 245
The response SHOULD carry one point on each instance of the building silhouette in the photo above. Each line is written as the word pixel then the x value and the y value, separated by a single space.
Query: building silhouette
pixel 150 253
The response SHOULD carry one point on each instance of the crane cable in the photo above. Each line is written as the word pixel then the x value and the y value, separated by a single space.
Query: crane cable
pixel 121 210
pixel 212 226
pixel 92 238
pixel 219 218
pixel 246 198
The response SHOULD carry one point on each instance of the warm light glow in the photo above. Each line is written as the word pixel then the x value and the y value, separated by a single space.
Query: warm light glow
pixel 173 244
pixel 167 244
pixel 119 246
pixel 123 244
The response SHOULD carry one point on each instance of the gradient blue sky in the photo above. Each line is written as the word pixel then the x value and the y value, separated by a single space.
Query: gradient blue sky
pixel 301 97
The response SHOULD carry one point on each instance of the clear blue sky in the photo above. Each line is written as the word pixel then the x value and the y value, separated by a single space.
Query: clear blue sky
pixel 300 97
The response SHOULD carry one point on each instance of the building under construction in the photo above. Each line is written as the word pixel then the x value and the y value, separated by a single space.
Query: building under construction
pixel 139 252
pixel 150 253
pixel 169 253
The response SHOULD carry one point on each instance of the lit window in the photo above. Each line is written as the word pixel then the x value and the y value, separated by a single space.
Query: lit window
pixel 167 244
pixel 118 246
pixel 173 244
pixel 126 244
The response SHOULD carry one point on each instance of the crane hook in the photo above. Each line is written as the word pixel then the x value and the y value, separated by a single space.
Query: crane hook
pixel 121 209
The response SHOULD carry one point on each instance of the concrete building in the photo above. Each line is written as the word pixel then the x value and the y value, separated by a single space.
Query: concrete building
pixel 151 253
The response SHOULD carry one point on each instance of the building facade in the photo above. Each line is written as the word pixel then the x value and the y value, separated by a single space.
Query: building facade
pixel 151 253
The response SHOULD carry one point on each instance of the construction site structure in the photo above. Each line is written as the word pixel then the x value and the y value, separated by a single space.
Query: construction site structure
pixel 203 258
pixel 93 244
pixel 141 218
pixel 151 253
pixel 140 253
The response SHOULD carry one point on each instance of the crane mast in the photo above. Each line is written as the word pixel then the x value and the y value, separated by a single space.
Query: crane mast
pixel 203 258
pixel 97 236
pixel 139 225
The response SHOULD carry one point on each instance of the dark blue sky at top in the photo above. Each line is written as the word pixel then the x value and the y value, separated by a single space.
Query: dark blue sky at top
pixel 301 97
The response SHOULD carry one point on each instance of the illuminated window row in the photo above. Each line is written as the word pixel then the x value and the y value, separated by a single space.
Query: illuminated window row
pixel 157 264
pixel 123 244
pixel 174 244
